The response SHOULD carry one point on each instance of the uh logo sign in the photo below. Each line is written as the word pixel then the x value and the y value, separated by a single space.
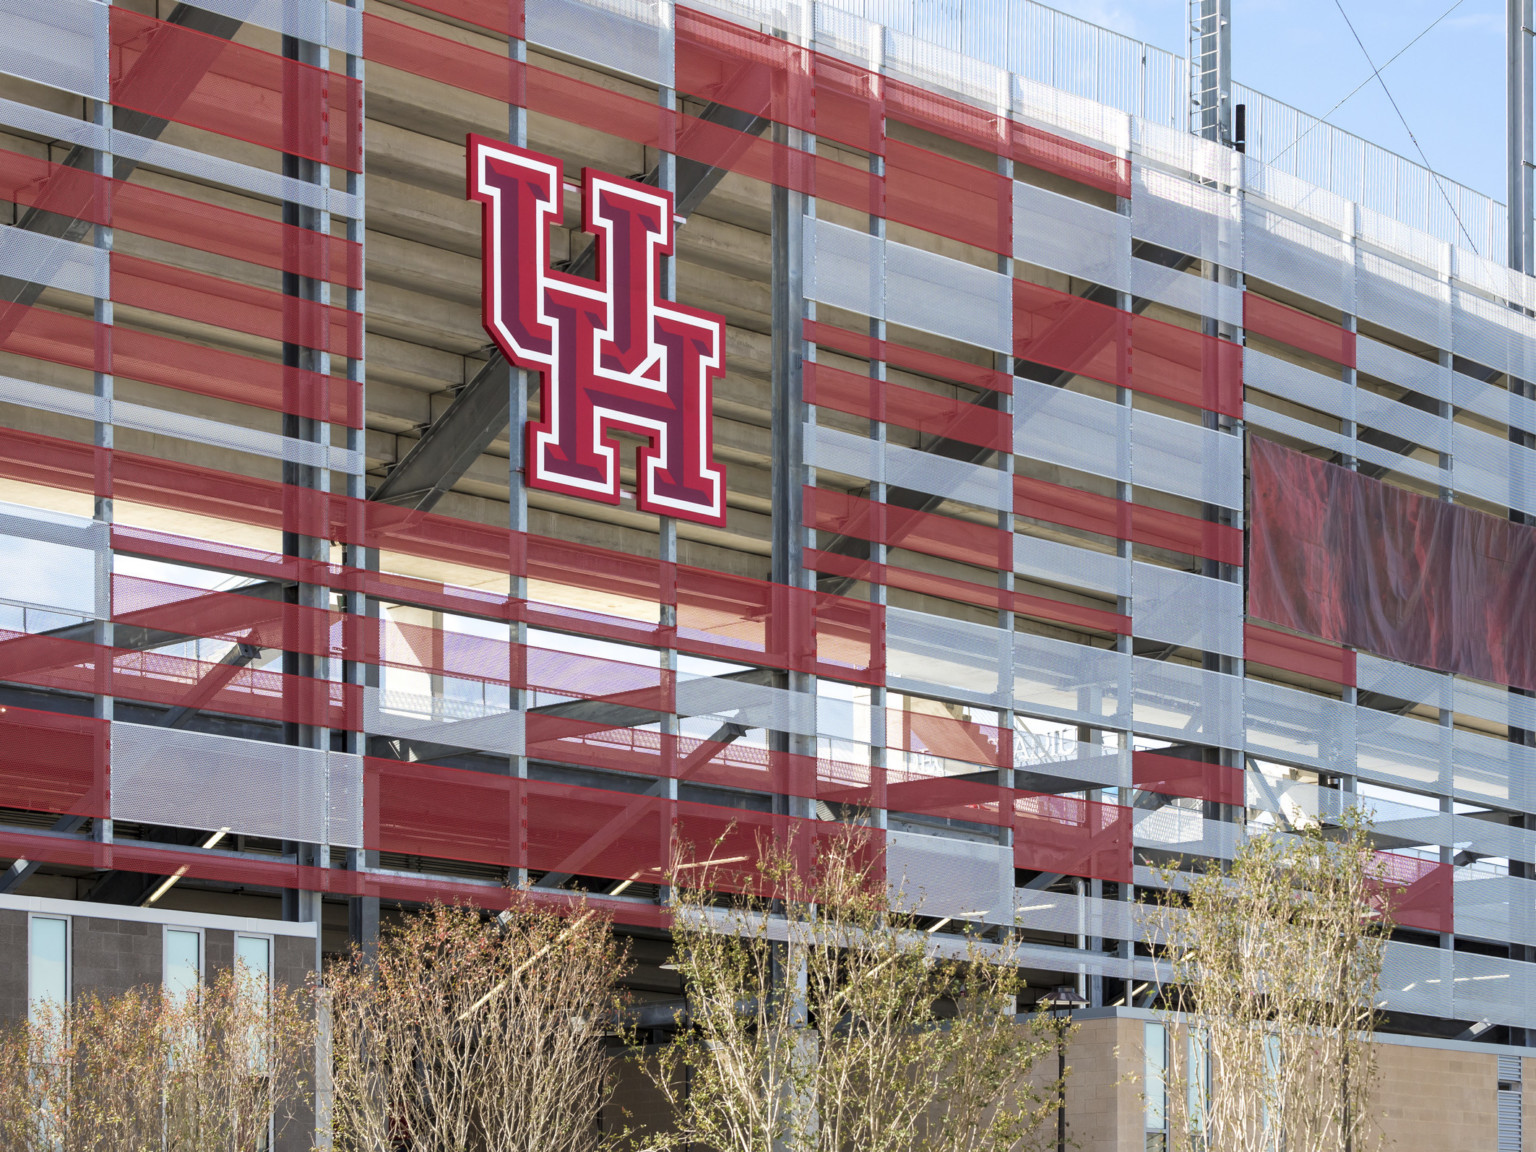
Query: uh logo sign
pixel 610 353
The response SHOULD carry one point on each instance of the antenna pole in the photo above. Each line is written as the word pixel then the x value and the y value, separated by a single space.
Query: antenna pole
pixel 1518 77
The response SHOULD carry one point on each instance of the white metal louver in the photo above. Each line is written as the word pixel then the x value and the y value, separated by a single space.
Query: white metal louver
pixel 1509 1119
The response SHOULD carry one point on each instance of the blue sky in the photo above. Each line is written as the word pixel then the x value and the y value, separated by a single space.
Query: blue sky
pixel 1450 85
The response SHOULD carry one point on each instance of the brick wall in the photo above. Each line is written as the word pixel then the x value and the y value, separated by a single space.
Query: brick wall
pixel 13 963
pixel 1437 1100
pixel 112 956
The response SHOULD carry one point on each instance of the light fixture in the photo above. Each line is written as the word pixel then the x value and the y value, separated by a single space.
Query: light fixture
pixel 939 925
pixel 623 884
pixel 707 863
pixel 1064 997
pixel 165 885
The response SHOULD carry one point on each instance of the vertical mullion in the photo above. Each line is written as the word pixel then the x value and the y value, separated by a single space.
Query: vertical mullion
pixel 517 521
pixel 103 437
pixel 314 670
pixel 666 181
pixel 363 910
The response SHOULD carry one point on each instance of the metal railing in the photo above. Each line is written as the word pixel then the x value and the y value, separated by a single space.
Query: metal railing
pixel 1075 56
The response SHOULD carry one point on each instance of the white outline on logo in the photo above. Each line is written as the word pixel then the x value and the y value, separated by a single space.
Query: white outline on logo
pixel 649 376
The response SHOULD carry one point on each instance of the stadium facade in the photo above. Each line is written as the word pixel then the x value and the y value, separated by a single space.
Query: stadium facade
pixel 446 445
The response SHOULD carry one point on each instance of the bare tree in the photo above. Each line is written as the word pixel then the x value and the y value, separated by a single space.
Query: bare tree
pixel 465 1033
pixel 819 1021
pixel 147 1071
pixel 1276 968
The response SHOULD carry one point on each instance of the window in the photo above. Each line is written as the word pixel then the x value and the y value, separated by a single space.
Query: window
pixel 47 962
pixel 253 958
pixel 1199 1085
pixel 1155 1086
pixel 1271 1077
pixel 254 953
pixel 183 961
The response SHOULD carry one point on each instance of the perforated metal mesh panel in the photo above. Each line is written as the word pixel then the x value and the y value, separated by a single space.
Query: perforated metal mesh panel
pixel 1088 119
pixel 751 705
pixel 1490 333
pixel 1492 401
pixel 935 294
pixel 1426 376
pixel 344 795
pixel 62 43
pixel 1187 609
pixel 49 260
pixel 1408 465
pixel 181 425
pixel 1495 704
pixel 1293 382
pixel 1070 429
pixel 1299 429
pixel 1496 908
pixel 184 426
pixel 1413 424
pixel 907 286
pixel 197 780
pixel 1186 459
pixel 1402 681
pixel 1492 839
pixel 1091 763
pixel 51 561
pixel 959 878
pixel 1186 703
pixel 1489 769
pixel 904 467
pixel 1403 299
pixel 1071 236
pixel 64 401
pixel 1300 727
pixel 844 268
pixel 1402 750
pixel 1185 216
pixel 1418 979
pixel 1074 915
pixel 1201 158
pixel 1071 681
pixel 457 724
pixel 1285 252
pixel 318 21
pixel 1495 469
pixel 1183 830
pixel 847 35
pixel 1187 291
pixel 947 658
pixel 161 154
pixel 1076 567
pixel 632 36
